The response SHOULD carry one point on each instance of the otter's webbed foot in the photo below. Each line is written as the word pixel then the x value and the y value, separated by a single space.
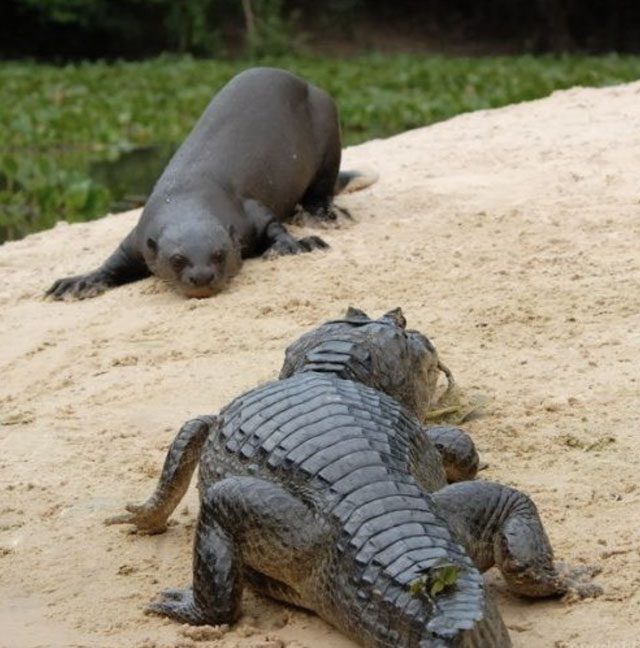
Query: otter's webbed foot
pixel 288 245
pixel 275 240
pixel 80 286
pixel 126 264
pixel 324 214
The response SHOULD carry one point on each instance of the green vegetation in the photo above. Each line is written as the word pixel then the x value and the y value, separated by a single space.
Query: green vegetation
pixel 440 577
pixel 59 121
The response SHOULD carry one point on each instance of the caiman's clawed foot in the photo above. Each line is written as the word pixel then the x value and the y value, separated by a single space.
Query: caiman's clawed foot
pixel 183 456
pixel 178 604
pixel 147 519
pixel 576 582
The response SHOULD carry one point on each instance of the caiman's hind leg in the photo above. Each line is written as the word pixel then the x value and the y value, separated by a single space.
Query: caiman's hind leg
pixel 247 527
pixel 182 458
pixel 458 452
pixel 500 526
pixel 272 588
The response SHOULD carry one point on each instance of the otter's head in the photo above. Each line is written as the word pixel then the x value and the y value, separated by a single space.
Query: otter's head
pixel 381 353
pixel 196 259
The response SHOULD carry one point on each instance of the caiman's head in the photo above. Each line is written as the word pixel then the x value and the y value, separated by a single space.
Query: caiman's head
pixel 381 353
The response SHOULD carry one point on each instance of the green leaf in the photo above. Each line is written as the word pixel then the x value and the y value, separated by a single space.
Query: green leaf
pixel 440 577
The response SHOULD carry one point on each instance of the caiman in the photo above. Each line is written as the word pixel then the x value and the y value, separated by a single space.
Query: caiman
pixel 323 490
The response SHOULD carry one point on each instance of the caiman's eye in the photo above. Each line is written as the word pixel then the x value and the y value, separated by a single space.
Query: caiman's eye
pixel 178 261
pixel 218 257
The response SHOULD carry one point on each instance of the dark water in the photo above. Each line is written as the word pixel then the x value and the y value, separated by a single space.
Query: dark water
pixel 131 177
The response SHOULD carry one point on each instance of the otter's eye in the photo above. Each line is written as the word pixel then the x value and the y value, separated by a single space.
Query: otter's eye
pixel 218 257
pixel 178 262
pixel 152 245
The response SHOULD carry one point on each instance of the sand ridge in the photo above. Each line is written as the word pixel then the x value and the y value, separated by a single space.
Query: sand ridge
pixel 509 236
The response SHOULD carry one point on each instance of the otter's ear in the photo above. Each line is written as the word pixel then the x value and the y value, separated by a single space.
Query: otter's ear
pixel 397 317
pixel 355 313
pixel 152 246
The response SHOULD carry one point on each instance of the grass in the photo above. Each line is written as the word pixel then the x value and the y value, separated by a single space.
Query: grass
pixel 59 121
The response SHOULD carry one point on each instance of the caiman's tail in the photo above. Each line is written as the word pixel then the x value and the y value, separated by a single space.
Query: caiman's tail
pixel 350 181
pixel 490 631
pixel 401 578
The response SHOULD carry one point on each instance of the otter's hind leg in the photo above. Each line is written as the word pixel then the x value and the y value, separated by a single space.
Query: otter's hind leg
pixel 182 458
pixel 500 526
pixel 245 525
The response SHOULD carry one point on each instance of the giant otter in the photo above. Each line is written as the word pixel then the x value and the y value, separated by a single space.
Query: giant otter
pixel 267 142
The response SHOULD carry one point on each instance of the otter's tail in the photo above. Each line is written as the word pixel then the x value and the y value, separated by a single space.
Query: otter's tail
pixel 349 181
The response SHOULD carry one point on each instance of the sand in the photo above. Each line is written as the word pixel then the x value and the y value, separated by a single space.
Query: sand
pixel 509 236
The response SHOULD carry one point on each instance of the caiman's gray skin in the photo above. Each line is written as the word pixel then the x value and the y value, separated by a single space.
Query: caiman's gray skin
pixel 267 141
pixel 457 450
pixel 323 490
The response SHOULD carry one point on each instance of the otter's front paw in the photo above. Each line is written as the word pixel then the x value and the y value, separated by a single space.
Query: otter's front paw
pixel 80 286
pixel 289 245
pixel 311 243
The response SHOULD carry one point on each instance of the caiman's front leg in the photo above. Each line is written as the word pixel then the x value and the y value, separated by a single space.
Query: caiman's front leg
pixel 458 452
pixel 277 239
pixel 125 265
pixel 182 458
pixel 500 526
pixel 245 525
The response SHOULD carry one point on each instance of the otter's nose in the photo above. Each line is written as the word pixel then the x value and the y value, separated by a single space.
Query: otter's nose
pixel 200 277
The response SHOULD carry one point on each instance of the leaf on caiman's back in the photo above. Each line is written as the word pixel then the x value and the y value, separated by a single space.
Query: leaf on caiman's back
pixel 439 577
